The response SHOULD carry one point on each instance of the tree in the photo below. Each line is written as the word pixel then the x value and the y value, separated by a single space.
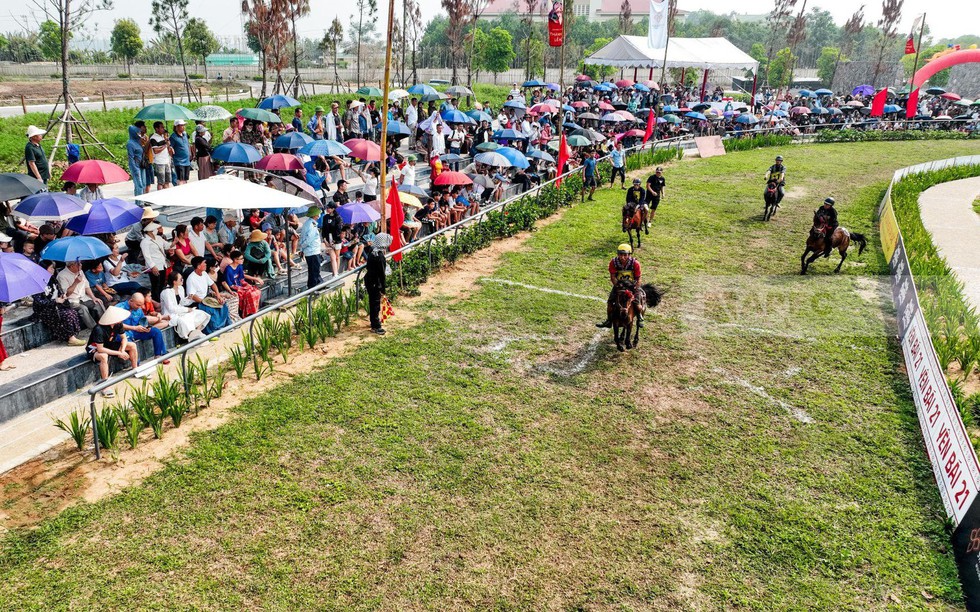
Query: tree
pixel 777 19
pixel 458 12
pixel 295 10
pixel 497 53
pixel 476 8
pixel 758 53
pixel 596 72
pixel 531 8
pixel 49 39
pixel 534 52
pixel 780 68
pixel 625 18
pixel 267 25
pixel 200 41
pixel 795 38
pixel 361 30
pixel 413 32
pixel 331 41
pixel 126 41
pixel 891 14
pixel 827 64
pixel 170 17
pixel 849 33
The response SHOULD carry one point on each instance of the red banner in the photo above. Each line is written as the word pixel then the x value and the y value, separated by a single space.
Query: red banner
pixel 909 46
pixel 878 103
pixel 556 27
pixel 911 108
pixel 651 126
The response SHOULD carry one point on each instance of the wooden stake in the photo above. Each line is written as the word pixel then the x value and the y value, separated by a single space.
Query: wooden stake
pixel 23 104
pixel 104 106
pixel 226 94
pixel 143 98
pixel 172 97
pixel 384 118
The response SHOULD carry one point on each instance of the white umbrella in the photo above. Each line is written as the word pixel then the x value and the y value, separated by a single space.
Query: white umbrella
pixel 398 94
pixel 211 112
pixel 224 191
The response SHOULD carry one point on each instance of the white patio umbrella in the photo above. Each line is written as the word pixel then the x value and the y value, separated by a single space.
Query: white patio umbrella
pixel 224 191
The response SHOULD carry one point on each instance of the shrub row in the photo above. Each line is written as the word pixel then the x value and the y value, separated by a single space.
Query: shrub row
pixel 825 136
pixel 953 324
pixel 757 142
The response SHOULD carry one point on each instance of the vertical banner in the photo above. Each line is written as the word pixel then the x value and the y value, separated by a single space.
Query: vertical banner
pixel 556 27
pixel 657 32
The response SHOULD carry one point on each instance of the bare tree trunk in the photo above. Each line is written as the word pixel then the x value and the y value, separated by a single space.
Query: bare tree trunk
pixel 265 72
pixel 295 59
pixel 360 26
pixel 180 50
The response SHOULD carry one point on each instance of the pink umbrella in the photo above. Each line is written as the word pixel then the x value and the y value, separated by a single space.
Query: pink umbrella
pixel 606 106
pixel 626 115
pixel 624 83
pixel 799 110
pixel 363 149
pixel 580 104
pixel 540 109
pixel 950 96
pixel 652 85
pixel 583 77
pixel 635 133
pixel 279 161
pixel 95 171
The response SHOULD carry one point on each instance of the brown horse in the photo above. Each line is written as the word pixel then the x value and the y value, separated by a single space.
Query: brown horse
pixel 770 197
pixel 625 307
pixel 635 218
pixel 840 240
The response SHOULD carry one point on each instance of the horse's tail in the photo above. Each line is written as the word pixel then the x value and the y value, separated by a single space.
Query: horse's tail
pixel 654 295
pixel 861 240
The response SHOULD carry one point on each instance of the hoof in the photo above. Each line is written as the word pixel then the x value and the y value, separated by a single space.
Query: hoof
pixel 620 348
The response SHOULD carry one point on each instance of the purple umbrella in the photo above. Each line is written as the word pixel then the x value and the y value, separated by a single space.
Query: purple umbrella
pixel 20 277
pixel 358 213
pixel 863 90
pixel 45 206
pixel 106 216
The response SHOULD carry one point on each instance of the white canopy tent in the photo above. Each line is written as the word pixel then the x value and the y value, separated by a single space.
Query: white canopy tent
pixel 707 53
pixel 224 191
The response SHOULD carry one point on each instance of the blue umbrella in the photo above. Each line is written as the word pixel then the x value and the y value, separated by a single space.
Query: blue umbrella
pixel 49 205
pixel 893 108
pixel 478 115
pixel 566 107
pixel 20 277
pixel 358 213
pixel 236 153
pixel 492 158
pixel 515 104
pixel 106 217
pixel 326 148
pixel 780 113
pixel 450 158
pixel 824 92
pixel 835 111
pixel 568 125
pixel 641 87
pixel 552 86
pixel 670 108
pixel 291 141
pixel 278 101
pixel 821 111
pixel 75 248
pixel 508 135
pixel 539 154
pixel 421 89
pixel 693 115
pixel 863 90
pixel 451 115
pixel 533 83
pixel 805 93
pixel 397 128
pixel 604 87
pixel 412 189
pixel 746 119
pixel 515 157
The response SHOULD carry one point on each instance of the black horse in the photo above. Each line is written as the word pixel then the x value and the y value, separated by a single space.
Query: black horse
pixel 771 198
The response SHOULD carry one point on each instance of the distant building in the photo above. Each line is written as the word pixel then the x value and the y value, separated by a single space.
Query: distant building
pixel 595 10
pixel 219 60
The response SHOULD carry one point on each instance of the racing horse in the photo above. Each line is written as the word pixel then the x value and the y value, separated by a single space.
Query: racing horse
pixel 625 308
pixel 635 218
pixel 770 196
pixel 840 240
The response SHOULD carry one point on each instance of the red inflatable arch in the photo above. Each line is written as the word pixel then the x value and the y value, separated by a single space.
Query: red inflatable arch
pixel 963 56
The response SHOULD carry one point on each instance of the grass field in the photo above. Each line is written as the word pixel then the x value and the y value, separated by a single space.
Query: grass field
pixel 760 449
pixel 111 126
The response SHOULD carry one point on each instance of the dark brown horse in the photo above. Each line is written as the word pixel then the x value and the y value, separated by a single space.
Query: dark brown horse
pixel 770 197
pixel 635 218
pixel 840 240
pixel 626 306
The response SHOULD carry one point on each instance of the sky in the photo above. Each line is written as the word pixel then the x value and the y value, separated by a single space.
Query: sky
pixel 224 15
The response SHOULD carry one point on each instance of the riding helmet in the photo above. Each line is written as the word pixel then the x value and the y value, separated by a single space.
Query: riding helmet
pixel 624 248
pixel 830 201
pixel 779 158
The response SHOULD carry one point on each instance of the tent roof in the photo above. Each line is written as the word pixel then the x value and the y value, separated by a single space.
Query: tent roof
pixel 712 53
pixel 224 191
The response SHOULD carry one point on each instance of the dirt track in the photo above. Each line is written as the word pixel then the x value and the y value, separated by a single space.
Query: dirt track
pixel 49 90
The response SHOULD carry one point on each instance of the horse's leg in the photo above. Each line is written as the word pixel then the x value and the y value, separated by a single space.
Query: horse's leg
pixel 639 242
pixel 636 332
pixel 618 337
pixel 628 329
pixel 803 262
pixel 646 223
pixel 843 256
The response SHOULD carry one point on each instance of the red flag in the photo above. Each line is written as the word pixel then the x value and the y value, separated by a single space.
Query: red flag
pixel 911 109
pixel 396 220
pixel 909 45
pixel 563 157
pixel 651 123
pixel 878 104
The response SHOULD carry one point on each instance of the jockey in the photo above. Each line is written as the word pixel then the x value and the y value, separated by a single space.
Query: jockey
pixel 635 198
pixel 623 269
pixel 777 172
pixel 826 217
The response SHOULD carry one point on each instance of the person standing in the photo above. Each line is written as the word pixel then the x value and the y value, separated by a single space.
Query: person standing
pixel 589 172
pixel 374 278
pixel 34 157
pixel 656 185
pixel 180 147
pixel 331 227
pixel 160 145
pixel 335 125
pixel 298 120
pixel 412 120
pixel 310 245
pixel 202 152
pixel 317 124
pixel 232 133
pixel 618 159
pixel 134 153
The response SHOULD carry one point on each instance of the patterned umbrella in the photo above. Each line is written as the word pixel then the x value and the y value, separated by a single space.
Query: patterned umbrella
pixel 211 112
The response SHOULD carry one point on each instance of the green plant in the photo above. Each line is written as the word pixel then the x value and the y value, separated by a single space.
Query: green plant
pixel 144 405
pixel 169 397
pixel 239 360
pixel 132 425
pixel 107 426
pixel 263 341
pixel 282 339
pixel 122 75
pixel 218 379
pixel 261 368
pixel 76 426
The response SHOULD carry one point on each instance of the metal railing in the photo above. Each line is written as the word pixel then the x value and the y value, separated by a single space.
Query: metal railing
pixel 334 284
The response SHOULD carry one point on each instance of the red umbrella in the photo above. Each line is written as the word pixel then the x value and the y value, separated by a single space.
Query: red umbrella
pixel 639 133
pixel 624 83
pixel 452 178
pixel 95 171
pixel 363 149
pixel 950 96
pixel 606 106
pixel 583 77
pixel 580 104
pixel 279 161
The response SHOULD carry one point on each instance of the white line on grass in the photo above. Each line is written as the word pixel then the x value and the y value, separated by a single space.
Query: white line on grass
pixel 797 413
pixel 503 281
pixel 583 362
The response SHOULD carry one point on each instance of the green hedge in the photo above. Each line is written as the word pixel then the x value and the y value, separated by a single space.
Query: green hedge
pixel 954 326
pixel 757 142
pixel 848 135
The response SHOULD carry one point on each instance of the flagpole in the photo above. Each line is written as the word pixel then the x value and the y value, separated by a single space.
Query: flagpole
pixel 382 196
pixel 663 69
pixel 918 47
